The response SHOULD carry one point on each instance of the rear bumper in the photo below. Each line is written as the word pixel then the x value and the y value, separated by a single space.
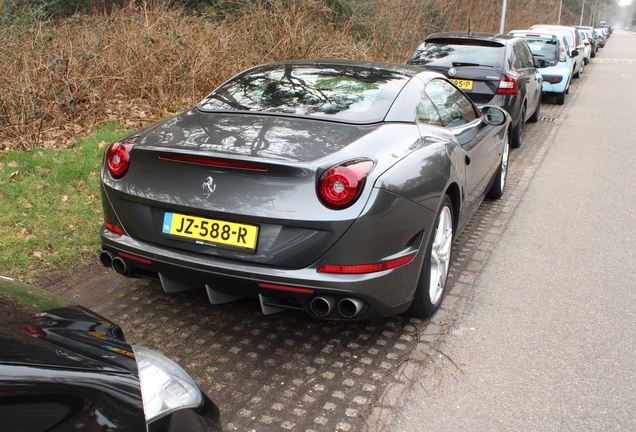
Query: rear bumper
pixel 390 228
pixel 553 87
pixel 383 294
pixel 556 78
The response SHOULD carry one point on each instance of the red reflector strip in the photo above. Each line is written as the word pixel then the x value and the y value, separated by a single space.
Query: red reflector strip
pixel 214 162
pixel 366 268
pixel 286 288
pixel 113 228
pixel 135 258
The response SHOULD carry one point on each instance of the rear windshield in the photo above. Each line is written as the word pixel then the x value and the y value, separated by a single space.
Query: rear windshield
pixel 546 49
pixel 455 54
pixel 346 93
pixel 568 35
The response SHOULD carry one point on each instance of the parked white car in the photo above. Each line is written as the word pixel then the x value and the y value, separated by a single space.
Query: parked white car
pixel 587 46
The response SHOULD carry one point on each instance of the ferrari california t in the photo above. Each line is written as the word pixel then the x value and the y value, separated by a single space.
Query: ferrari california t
pixel 330 186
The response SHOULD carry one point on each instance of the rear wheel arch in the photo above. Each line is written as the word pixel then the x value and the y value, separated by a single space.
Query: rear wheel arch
pixel 454 194
pixel 432 282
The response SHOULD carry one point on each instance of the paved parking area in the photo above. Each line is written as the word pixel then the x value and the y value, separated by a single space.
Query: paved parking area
pixel 289 371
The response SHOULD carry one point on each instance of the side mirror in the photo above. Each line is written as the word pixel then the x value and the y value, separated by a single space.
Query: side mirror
pixel 586 42
pixel 493 115
pixel 574 53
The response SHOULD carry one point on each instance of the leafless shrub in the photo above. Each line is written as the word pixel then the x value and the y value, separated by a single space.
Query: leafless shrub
pixel 61 78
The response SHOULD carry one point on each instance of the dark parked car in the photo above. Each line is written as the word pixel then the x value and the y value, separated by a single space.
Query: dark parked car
pixel 600 37
pixel 491 69
pixel 334 187
pixel 65 368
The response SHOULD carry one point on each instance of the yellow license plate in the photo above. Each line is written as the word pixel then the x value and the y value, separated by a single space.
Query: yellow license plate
pixel 210 231
pixel 463 84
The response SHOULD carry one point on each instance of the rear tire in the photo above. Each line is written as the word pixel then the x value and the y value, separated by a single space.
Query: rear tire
pixel 517 133
pixel 496 191
pixel 580 71
pixel 560 98
pixel 537 112
pixel 431 286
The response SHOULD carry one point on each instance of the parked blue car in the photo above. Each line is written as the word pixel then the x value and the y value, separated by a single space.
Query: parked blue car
pixel 553 57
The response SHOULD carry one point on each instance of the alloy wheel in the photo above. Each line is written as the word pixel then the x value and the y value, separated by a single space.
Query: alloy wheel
pixel 440 255
pixel 504 164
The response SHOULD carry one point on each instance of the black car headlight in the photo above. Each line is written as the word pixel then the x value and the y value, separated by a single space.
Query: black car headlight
pixel 165 386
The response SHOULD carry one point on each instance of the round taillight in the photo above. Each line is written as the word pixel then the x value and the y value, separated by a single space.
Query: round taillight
pixel 341 185
pixel 118 157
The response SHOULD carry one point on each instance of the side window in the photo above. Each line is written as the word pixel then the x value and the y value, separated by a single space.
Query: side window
pixel 521 58
pixel 454 108
pixel 427 113
pixel 512 60
pixel 528 54
pixel 566 47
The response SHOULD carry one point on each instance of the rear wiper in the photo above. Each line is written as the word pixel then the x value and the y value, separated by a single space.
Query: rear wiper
pixel 469 64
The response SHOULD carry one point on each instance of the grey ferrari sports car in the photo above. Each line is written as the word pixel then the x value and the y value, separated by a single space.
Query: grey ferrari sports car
pixel 330 186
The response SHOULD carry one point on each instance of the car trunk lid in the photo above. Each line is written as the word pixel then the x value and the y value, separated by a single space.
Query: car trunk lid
pixel 476 66
pixel 245 173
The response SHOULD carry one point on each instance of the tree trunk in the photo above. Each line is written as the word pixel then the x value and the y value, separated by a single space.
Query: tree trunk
pixel 100 7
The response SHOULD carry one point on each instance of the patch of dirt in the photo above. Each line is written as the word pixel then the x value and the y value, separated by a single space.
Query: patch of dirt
pixel 91 286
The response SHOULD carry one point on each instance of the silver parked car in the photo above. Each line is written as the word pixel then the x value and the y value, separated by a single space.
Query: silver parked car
pixel 334 187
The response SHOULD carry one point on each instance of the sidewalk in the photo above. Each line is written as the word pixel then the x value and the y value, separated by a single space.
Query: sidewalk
pixel 547 339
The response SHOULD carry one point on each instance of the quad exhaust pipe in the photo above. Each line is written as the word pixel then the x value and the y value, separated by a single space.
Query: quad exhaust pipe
pixel 120 266
pixel 117 263
pixel 322 305
pixel 348 307
pixel 106 258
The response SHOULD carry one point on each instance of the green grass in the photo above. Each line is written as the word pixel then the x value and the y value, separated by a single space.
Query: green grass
pixel 32 297
pixel 50 208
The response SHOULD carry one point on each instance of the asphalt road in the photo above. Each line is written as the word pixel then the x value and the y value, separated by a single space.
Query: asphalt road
pixel 546 338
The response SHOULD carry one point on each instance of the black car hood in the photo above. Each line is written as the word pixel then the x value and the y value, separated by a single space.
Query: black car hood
pixel 39 328
pixel 253 136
